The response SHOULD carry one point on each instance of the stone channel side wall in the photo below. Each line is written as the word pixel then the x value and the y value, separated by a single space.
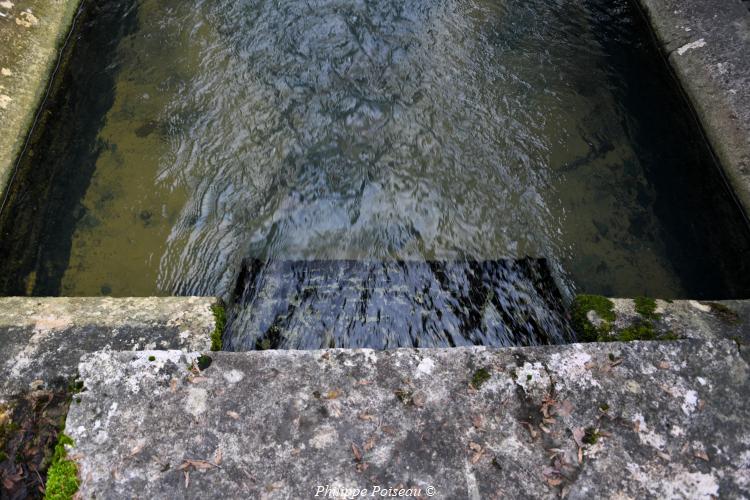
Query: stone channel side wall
pixel 707 44
pixel 32 32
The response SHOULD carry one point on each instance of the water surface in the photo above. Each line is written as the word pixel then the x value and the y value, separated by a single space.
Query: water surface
pixel 391 130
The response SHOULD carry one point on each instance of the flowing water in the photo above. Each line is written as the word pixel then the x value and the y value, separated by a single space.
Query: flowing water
pixel 193 135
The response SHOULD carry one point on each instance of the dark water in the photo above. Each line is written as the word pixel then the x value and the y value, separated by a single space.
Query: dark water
pixel 190 136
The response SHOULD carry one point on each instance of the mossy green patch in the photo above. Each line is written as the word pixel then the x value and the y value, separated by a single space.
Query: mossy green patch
pixel 62 476
pixel 152 358
pixel 220 321
pixel 646 307
pixel 480 377
pixel 723 312
pixel 591 436
pixel 604 309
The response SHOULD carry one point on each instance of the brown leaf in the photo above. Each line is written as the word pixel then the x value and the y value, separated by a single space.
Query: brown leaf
pixel 663 365
pixel 233 414
pixel 418 399
pixel 700 454
pixel 564 409
pixel 578 434
pixel 478 421
pixel 136 449
pixel 357 453
pixel 387 429
pixel 580 455
pixel 369 444
pixel 531 429
pixel 475 447
pixel 554 481
pixel 187 478
pixel 361 467
pixel 477 457
pixel 217 456
pixel 366 417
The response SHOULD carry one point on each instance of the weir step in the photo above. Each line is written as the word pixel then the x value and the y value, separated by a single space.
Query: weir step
pixel 312 304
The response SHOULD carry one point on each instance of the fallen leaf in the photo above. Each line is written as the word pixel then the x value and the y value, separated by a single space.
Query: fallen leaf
pixel 366 417
pixel 387 429
pixel 217 456
pixel 554 481
pixel 369 444
pixel 357 453
pixel 700 454
pixel 136 449
pixel 578 434
pixel 478 421
pixel 418 400
pixel 475 446
pixel 187 478
pixel 564 409
pixel 477 457
pixel 664 365
pixel 233 414
pixel 332 394
pixel 531 430
pixel 580 455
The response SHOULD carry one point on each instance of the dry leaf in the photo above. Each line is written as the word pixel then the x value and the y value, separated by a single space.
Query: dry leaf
pixel 478 421
pixel 217 456
pixel 366 417
pixel 357 453
pixel 531 430
pixel 418 400
pixel 580 455
pixel 564 409
pixel 332 394
pixel 578 434
pixel 369 444
pixel 664 365
pixel 700 454
pixel 477 457
pixel 187 478
pixel 391 431
pixel 136 449
pixel 233 414
pixel 544 429
pixel 475 447
pixel 554 481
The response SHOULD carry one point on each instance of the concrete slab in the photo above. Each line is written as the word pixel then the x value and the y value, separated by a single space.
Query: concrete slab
pixel 42 339
pixel 596 420
pixel 707 44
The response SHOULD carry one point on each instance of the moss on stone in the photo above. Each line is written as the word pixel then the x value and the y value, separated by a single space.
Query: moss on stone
pixel 646 307
pixel 723 312
pixel 220 320
pixel 602 307
pixel 591 436
pixel 640 331
pixel 480 377
pixel 62 476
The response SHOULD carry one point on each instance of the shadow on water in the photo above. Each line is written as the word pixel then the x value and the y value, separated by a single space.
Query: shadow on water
pixel 44 204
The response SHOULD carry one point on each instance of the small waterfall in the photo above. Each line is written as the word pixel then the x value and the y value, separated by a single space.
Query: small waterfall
pixel 311 304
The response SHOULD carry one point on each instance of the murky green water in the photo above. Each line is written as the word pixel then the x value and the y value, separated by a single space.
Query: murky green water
pixel 372 130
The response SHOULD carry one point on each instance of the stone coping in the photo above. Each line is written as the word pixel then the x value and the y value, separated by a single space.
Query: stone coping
pixel 31 35
pixel 612 420
pixel 42 339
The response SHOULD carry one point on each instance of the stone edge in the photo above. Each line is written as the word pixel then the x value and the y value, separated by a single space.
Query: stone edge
pixel 48 47
pixel 682 27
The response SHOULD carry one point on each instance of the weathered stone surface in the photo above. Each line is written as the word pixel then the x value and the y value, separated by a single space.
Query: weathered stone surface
pixel 31 31
pixel 597 420
pixel 42 339
pixel 707 44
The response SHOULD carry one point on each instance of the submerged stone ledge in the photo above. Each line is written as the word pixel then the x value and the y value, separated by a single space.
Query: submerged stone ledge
pixel 707 45
pixel 42 339
pixel 630 419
